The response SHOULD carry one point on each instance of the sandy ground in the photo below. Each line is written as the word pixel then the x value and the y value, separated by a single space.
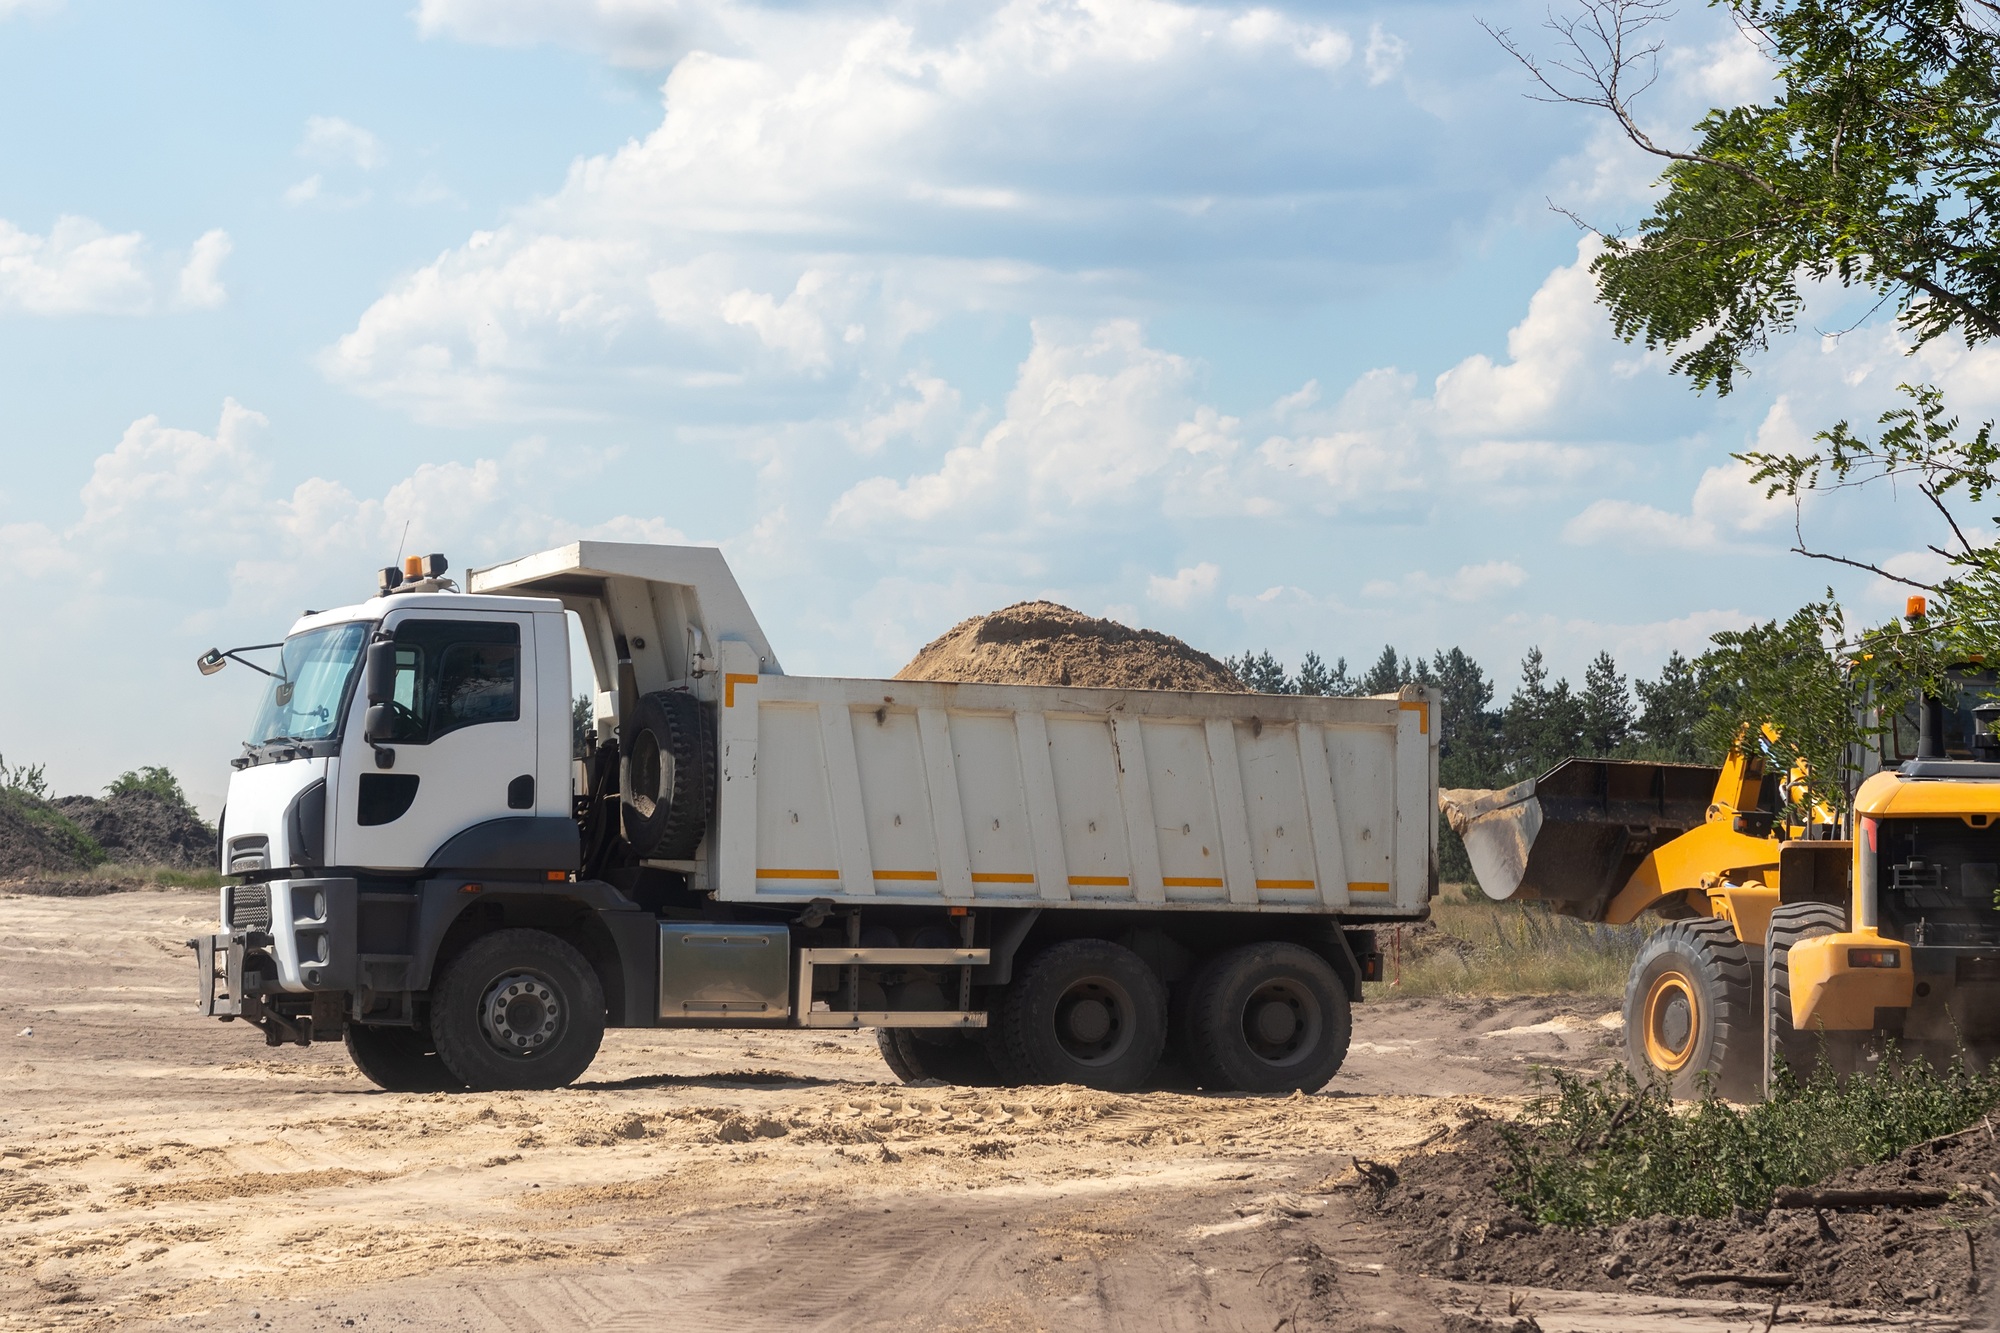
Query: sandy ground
pixel 163 1171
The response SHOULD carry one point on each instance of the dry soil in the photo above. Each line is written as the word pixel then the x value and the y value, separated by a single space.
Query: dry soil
pixel 1042 643
pixel 161 1171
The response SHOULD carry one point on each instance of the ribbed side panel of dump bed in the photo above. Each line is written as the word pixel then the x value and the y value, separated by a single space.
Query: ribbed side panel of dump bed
pixel 933 792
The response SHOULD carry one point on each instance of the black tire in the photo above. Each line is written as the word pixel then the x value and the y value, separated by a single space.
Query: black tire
pixel 398 1059
pixel 669 775
pixel 1692 1009
pixel 1267 1018
pixel 519 1009
pixel 1084 1011
pixel 1800 1051
pixel 916 1054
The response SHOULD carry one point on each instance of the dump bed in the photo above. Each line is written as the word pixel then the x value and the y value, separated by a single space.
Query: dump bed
pixel 947 793
pixel 873 790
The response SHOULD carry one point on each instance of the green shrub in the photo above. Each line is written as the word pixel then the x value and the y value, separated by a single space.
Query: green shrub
pixel 25 779
pixel 152 780
pixel 1597 1151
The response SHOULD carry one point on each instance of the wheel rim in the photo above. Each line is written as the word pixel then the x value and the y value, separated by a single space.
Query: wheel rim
pixel 1671 1016
pixel 1094 1021
pixel 521 1014
pixel 649 775
pixel 1282 1022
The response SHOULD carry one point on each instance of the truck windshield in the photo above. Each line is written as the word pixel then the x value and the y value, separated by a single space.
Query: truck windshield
pixel 304 700
pixel 1939 881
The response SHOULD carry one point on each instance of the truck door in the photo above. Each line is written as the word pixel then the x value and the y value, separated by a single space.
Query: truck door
pixel 464 747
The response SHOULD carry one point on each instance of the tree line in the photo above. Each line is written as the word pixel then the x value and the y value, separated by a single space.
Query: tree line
pixel 1542 723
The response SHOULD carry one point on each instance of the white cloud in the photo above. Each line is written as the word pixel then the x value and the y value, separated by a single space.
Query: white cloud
pixel 824 182
pixel 331 139
pixel 1726 508
pixel 79 268
pixel 1545 352
pixel 1384 56
pixel 201 277
pixel 1186 587
pixel 1471 583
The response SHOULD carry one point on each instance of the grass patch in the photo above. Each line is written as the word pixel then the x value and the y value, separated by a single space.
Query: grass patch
pixel 1597 1151
pixel 1487 948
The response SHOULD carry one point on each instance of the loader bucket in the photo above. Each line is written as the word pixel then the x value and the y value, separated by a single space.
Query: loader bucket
pixel 1572 837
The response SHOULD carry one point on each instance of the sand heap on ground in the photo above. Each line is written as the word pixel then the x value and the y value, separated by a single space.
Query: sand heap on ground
pixel 1042 643
pixel 76 832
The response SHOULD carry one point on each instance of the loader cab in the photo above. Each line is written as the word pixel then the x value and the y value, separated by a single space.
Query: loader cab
pixel 1966 688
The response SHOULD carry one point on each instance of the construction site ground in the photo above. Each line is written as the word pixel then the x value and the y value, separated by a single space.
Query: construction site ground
pixel 161 1171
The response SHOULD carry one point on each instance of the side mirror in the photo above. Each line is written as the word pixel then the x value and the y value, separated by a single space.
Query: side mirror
pixel 379 727
pixel 381 675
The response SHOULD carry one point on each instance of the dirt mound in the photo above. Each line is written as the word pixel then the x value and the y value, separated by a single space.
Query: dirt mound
pixel 1450 1220
pixel 143 828
pixel 1041 643
pixel 34 835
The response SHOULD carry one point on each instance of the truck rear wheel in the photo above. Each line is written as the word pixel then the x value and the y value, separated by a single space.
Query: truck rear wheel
pixel 1798 1051
pixel 669 789
pixel 519 1009
pixel 1691 1009
pixel 398 1059
pixel 1085 1011
pixel 916 1054
pixel 1267 1018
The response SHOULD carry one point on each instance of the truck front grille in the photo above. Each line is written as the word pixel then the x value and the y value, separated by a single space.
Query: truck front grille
pixel 250 907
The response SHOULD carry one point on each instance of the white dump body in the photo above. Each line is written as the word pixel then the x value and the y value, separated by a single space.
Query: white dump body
pixel 860 790
pixel 1030 795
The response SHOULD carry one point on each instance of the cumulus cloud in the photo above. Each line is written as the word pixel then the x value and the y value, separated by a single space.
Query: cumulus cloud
pixel 1726 508
pixel 1186 586
pixel 823 184
pixel 1470 583
pixel 79 268
pixel 201 277
pixel 331 139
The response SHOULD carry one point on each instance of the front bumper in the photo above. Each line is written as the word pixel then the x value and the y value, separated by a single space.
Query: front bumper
pixel 284 958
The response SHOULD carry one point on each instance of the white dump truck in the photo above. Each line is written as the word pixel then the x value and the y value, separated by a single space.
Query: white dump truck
pixel 1013 884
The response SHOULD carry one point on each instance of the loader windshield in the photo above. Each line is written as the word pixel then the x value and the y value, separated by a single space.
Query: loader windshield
pixel 307 697
pixel 1938 880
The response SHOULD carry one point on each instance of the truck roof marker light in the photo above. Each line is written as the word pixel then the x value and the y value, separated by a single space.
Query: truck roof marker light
pixel 413 566
pixel 1916 607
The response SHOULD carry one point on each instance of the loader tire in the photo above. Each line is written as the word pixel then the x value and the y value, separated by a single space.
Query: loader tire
pixel 1084 1011
pixel 397 1059
pixel 518 1010
pixel 669 775
pixel 915 1055
pixel 1798 1052
pixel 1691 1011
pixel 1266 1018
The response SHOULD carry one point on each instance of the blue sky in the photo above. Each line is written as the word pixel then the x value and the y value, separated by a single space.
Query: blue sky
pixel 1248 323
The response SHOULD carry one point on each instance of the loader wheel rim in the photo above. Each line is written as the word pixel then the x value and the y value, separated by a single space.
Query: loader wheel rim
pixel 1670 1018
pixel 521 1014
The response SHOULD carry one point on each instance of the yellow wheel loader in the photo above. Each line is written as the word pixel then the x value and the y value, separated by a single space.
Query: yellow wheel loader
pixel 1776 941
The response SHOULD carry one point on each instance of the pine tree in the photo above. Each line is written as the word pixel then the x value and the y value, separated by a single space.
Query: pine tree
pixel 1543 724
pixel 1313 677
pixel 1669 708
pixel 1386 676
pixel 1261 672
pixel 1607 707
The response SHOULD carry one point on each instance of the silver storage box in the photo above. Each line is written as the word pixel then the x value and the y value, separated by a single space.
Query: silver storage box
pixel 712 972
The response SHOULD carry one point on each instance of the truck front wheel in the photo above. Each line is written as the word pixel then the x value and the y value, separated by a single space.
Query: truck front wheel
pixel 519 1009
pixel 1267 1018
pixel 1084 1011
pixel 398 1059
pixel 1691 1010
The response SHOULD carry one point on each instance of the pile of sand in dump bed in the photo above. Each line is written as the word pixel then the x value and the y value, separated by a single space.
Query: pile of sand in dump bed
pixel 1041 643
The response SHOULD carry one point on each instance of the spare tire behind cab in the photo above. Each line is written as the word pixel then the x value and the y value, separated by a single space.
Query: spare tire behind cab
pixel 669 778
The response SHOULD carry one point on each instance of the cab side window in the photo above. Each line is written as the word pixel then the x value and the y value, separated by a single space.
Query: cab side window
pixel 452 674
